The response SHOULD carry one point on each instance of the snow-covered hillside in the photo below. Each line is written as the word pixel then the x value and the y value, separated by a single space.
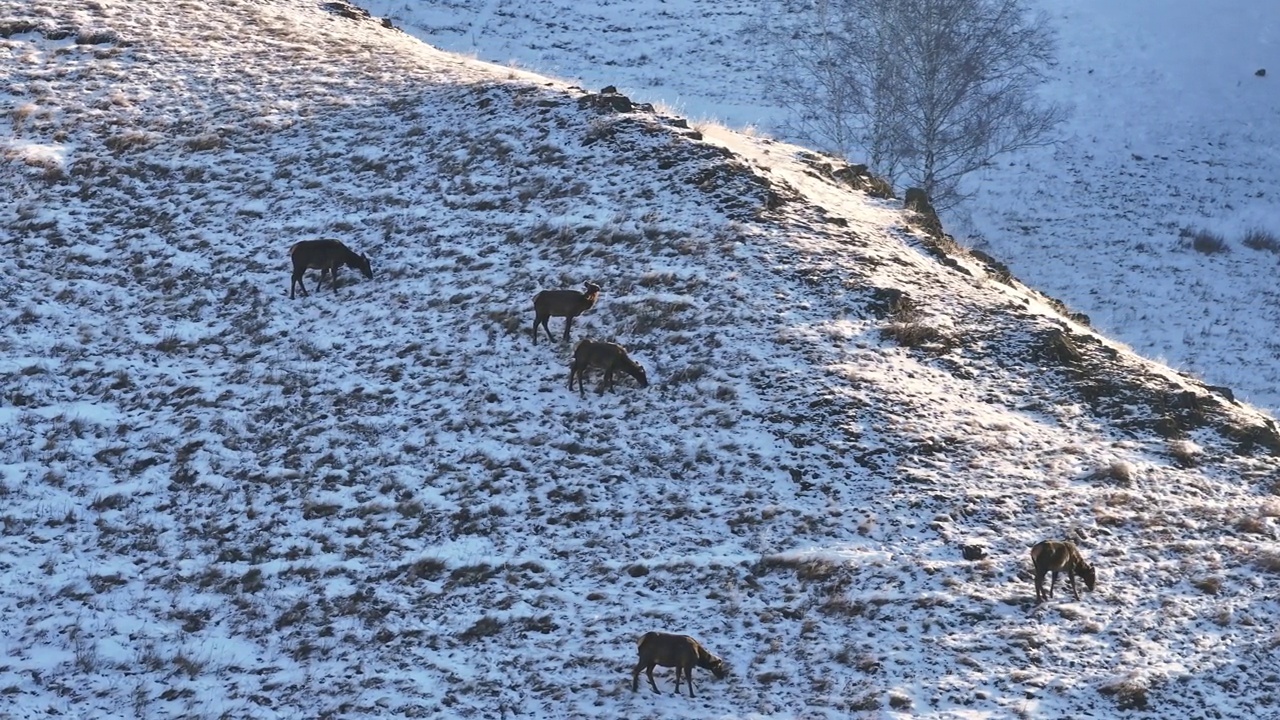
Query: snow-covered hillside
pixel 384 502
pixel 1171 130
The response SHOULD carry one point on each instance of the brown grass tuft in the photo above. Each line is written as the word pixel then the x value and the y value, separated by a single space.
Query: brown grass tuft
pixel 130 140
pixel 203 142
pixel 1128 691
pixel 1260 239
pixel 1205 241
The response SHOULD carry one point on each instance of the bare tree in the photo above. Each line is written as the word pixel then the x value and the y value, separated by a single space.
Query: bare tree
pixel 811 77
pixel 929 90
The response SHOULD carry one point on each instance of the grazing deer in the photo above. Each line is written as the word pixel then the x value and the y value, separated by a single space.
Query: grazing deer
pixel 678 651
pixel 1052 556
pixel 567 304
pixel 611 357
pixel 326 256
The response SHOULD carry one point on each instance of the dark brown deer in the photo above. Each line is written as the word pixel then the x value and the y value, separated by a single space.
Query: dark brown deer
pixel 678 651
pixel 611 357
pixel 326 256
pixel 567 304
pixel 1052 556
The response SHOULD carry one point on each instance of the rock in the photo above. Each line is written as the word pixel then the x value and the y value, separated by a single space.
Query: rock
pixel 1221 390
pixel 917 201
pixel 1262 72
pixel 998 270
pixel 347 10
pixel 607 102
pixel 1057 345
pixel 887 301
pixel 879 188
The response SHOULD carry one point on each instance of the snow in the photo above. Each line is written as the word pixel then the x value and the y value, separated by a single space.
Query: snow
pixel 381 499
pixel 1171 129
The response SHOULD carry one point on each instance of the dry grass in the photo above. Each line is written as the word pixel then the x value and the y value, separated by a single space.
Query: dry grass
pixel 1260 239
pixel 1205 241
pixel 908 327
pixel 1268 560
pixel 899 701
pixel 1122 472
pixel 130 140
pixel 22 112
pixel 1209 585
pixel 99 36
pixel 486 626
pixel 203 142
pixel 1185 452
pixel 1129 691
pixel 806 569
pixel 914 334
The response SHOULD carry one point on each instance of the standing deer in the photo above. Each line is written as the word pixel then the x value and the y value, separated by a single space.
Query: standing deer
pixel 567 304
pixel 1052 556
pixel 326 256
pixel 678 651
pixel 608 356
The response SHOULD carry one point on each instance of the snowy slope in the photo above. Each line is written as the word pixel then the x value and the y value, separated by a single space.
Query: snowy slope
pixel 383 501
pixel 1171 129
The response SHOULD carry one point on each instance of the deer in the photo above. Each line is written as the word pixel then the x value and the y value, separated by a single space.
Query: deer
pixel 611 357
pixel 326 256
pixel 678 651
pixel 567 304
pixel 1052 556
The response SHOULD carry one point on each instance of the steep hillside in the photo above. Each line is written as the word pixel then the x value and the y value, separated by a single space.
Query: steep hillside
pixel 384 501
pixel 1170 133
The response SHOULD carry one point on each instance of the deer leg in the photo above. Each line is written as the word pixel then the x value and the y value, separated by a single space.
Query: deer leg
pixel 1040 596
pixel 297 280
pixel 607 381
pixel 1071 577
pixel 635 676
pixel 678 671
pixel 568 324
pixel 688 676
pixel 1053 583
pixel 582 380
pixel 649 671
pixel 333 278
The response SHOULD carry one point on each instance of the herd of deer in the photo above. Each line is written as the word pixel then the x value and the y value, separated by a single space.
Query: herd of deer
pixel 329 255
pixel 656 648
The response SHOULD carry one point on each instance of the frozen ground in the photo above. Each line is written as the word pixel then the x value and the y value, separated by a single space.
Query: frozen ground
pixel 1171 130
pixel 384 502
